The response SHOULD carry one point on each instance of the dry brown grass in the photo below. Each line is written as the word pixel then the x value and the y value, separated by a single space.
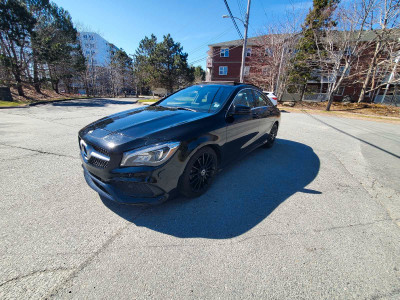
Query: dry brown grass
pixel 32 96
pixel 379 110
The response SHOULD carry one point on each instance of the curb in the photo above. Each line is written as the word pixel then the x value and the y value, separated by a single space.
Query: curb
pixel 342 114
pixel 42 102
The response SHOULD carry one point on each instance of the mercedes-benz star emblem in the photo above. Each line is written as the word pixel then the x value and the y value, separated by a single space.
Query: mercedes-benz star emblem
pixel 84 149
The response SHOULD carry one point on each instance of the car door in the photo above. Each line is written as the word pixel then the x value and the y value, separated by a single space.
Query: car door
pixel 242 130
pixel 265 111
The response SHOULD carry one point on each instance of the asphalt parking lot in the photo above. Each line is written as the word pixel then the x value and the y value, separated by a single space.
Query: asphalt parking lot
pixel 315 217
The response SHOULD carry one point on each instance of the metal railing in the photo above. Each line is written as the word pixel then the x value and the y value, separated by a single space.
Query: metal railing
pixel 317 97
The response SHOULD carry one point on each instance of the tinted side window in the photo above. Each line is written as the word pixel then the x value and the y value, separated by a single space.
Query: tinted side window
pixel 262 100
pixel 245 97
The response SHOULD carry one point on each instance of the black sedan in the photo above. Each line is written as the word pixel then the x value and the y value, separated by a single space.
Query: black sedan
pixel 176 145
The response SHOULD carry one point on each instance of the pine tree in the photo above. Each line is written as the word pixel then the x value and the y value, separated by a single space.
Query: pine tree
pixel 16 25
pixel 121 71
pixel 170 66
pixel 141 66
pixel 162 65
pixel 38 9
pixel 199 74
pixel 57 46
pixel 305 60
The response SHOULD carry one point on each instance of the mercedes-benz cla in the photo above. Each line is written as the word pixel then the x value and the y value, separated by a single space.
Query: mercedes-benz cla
pixel 176 145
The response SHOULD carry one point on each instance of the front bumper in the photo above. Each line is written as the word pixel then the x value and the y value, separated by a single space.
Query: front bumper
pixel 125 190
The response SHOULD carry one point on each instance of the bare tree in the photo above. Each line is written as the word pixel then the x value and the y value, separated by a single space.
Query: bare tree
pixel 349 52
pixel 385 16
pixel 274 49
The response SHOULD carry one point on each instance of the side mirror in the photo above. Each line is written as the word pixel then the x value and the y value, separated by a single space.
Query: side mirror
pixel 242 110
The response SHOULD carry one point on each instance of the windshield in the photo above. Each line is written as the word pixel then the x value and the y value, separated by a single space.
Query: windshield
pixel 197 98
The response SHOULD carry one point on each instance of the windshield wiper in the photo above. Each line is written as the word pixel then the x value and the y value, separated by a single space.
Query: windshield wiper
pixel 185 108
pixel 179 107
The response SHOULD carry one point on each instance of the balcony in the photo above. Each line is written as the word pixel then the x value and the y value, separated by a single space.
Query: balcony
pixel 209 63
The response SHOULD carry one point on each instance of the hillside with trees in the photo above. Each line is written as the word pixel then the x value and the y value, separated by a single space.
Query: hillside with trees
pixel 41 56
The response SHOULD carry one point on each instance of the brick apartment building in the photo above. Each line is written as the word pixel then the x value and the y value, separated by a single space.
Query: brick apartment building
pixel 262 65
pixel 224 61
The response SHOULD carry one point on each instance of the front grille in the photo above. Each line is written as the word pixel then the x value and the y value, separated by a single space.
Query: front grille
pixel 101 150
pixel 99 163
pixel 95 154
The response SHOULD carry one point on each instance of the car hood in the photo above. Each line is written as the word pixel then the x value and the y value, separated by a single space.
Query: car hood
pixel 138 123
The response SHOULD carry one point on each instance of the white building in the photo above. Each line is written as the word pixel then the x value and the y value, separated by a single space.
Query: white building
pixel 96 49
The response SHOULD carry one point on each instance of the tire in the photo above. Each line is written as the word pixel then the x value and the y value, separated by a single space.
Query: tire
pixel 199 173
pixel 272 136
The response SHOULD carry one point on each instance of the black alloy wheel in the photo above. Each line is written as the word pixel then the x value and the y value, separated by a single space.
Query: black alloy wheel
pixel 272 136
pixel 199 173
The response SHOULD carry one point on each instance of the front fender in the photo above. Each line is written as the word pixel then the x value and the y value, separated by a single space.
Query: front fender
pixel 215 140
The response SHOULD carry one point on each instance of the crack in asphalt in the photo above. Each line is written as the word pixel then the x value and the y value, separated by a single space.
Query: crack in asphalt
pixel 375 197
pixel 315 230
pixel 246 239
pixel 34 273
pixel 39 119
pixel 39 151
pixel 111 239
pixel 353 136
pixel 390 294
pixel 17 158
pixel 95 254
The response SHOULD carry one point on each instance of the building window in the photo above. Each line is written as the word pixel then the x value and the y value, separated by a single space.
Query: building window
pixel 248 52
pixel 268 52
pixel 246 70
pixel 224 52
pixel 339 91
pixel 91 37
pixel 348 51
pixel 85 36
pixel 264 70
pixel 92 52
pixel 87 52
pixel 223 70
pixel 341 70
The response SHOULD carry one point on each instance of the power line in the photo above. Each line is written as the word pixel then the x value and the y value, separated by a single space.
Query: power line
pixel 233 19
pixel 241 9
pixel 209 41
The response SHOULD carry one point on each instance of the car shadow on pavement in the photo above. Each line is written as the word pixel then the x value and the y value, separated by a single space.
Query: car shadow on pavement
pixel 97 102
pixel 242 195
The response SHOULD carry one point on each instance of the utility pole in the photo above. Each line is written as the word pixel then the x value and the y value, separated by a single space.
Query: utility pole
pixel 279 72
pixel 246 25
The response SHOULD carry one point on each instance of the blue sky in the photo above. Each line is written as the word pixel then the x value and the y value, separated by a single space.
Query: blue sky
pixel 193 23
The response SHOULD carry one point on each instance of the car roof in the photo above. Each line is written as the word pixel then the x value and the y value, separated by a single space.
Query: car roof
pixel 232 84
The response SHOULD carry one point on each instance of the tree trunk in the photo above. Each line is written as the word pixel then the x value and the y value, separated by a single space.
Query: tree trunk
pixel 302 92
pixel 16 71
pixel 328 107
pixel 19 86
pixel 54 84
pixel 36 82
pixel 87 89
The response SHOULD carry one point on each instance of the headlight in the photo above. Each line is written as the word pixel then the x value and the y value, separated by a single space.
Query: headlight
pixel 149 156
